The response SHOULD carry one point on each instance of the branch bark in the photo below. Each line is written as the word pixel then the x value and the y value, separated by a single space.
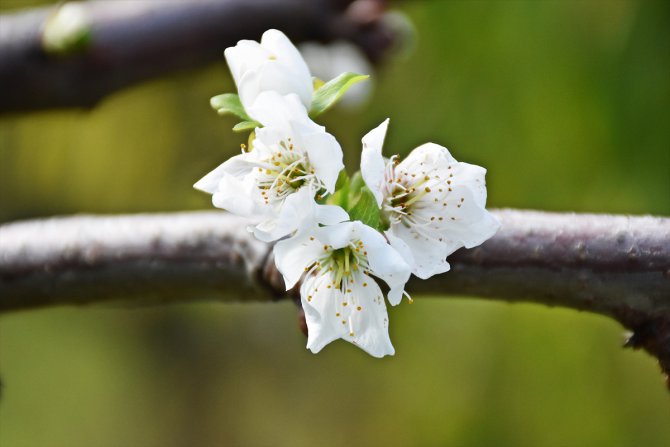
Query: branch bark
pixel 618 266
pixel 137 40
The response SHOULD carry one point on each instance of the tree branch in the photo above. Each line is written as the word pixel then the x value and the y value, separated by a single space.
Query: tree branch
pixel 618 266
pixel 137 40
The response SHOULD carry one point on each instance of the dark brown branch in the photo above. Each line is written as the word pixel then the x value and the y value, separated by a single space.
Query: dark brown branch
pixel 617 266
pixel 133 41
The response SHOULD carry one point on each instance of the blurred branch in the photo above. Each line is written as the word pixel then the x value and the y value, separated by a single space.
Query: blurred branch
pixel 132 41
pixel 618 266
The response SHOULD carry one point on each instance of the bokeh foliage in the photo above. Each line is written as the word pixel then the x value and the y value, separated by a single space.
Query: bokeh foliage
pixel 566 103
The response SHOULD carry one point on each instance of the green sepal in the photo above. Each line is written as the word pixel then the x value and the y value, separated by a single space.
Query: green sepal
pixel 356 184
pixel 330 92
pixel 229 103
pixel 246 125
pixel 341 195
pixel 366 210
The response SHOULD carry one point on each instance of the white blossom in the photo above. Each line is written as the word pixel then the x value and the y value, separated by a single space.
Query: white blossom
pixel 289 154
pixel 274 64
pixel 339 295
pixel 433 204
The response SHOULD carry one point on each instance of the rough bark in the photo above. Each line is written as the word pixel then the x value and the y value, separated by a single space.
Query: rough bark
pixel 137 40
pixel 618 266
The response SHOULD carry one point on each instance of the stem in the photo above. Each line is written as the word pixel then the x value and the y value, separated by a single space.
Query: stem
pixel 618 266
pixel 133 41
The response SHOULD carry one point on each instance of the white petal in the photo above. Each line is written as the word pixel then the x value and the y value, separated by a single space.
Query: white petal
pixel 273 65
pixel 370 324
pixel 339 235
pixel 273 109
pixel 431 154
pixel 471 224
pixel 295 209
pixel 330 214
pixel 248 89
pixel 372 162
pixel 246 55
pixel 385 262
pixel 428 256
pixel 237 166
pixel 320 304
pixel 472 177
pixel 325 155
pixel 293 255
pixel 400 246
pixel 288 55
pixel 358 315
pixel 237 197
pixel 210 182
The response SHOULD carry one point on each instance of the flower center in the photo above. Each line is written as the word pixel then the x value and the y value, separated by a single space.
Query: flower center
pixel 342 263
pixel 402 191
pixel 283 172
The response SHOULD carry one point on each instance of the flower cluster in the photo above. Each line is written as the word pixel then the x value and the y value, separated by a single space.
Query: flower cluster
pixel 337 234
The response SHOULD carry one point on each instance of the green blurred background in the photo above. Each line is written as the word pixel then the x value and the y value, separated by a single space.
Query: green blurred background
pixel 567 103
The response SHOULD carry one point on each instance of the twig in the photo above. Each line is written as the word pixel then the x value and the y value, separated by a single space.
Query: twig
pixel 133 41
pixel 617 266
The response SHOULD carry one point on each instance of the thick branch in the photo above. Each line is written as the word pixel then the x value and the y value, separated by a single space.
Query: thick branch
pixel 133 41
pixel 617 266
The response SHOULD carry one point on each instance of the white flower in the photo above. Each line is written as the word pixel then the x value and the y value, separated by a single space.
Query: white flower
pixel 290 154
pixel 274 64
pixel 338 293
pixel 433 203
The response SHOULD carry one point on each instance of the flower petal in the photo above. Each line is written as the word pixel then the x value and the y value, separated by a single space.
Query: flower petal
pixel 372 162
pixel 427 256
pixel 246 55
pixel 237 197
pixel 272 109
pixel 330 214
pixel 288 55
pixel 320 304
pixel 369 320
pixel 274 64
pixel 324 153
pixel 293 255
pixel 385 262
pixel 357 314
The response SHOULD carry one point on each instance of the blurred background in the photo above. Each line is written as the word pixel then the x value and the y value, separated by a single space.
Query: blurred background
pixel 566 103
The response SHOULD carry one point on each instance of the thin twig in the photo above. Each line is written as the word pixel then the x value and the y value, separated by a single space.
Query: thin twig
pixel 618 266
pixel 133 41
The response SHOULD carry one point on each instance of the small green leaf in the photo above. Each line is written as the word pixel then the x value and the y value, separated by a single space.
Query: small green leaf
pixel 246 125
pixel 356 184
pixel 341 195
pixel 366 210
pixel 330 92
pixel 342 180
pixel 229 103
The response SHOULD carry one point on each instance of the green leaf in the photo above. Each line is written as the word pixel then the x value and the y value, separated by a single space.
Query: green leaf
pixel 229 103
pixel 356 184
pixel 366 210
pixel 246 125
pixel 341 195
pixel 342 180
pixel 330 92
